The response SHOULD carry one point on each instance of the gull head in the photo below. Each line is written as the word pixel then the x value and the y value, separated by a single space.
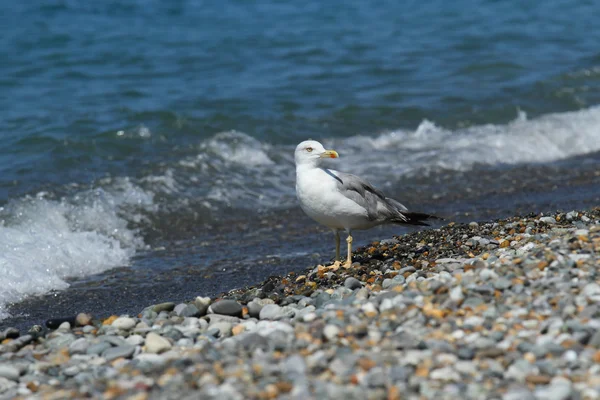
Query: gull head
pixel 311 152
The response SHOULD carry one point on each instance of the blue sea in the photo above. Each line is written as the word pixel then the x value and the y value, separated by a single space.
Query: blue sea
pixel 147 146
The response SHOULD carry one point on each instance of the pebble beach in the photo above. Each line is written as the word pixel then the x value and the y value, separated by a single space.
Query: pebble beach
pixel 506 309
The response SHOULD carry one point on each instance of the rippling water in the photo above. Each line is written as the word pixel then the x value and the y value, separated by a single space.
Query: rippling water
pixel 137 137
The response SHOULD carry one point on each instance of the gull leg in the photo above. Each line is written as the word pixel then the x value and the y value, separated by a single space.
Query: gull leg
pixel 349 259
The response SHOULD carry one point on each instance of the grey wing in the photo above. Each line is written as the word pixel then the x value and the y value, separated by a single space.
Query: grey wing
pixel 372 199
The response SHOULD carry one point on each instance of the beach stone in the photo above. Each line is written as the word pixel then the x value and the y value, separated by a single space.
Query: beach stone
pixel 472 302
pixel 271 312
pixel 447 374
pixel 168 306
pixel 376 378
pixel 254 309
pixel 322 299
pixel 98 348
pixel 83 319
pixel 253 341
pixel 456 294
pixel 560 388
pixel 407 341
pixel 595 340
pixel 502 283
pixel 224 328
pixel 124 323
pixel 518 393
pixel 79 346
pixel 190 310
pixel 135 340
pixel 466 353
pixel 71 371
pixel 117 352
pixel 226 307
pixel 64 327
pixel 548 220
pixel 60 341
pixel 519 370
pixel 113 340
pixel 156 344
pixel 9 372
pixel 148 362
pixel 352 283
pixel 10 333
pixel 330 332
pixel 179 307
pixel 202 304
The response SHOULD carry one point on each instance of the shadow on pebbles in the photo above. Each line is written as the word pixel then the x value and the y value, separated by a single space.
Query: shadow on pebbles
pixel 507 309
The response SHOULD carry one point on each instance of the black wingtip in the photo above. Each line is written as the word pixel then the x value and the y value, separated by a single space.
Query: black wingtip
pixel 417 218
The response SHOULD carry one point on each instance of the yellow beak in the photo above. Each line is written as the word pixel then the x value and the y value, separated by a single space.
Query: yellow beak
pixel 329 154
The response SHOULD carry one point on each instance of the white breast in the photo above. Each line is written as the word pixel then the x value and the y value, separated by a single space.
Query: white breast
pixel 320 200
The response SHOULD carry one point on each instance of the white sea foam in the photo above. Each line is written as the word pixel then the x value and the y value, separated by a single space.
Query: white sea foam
pixel 44 241
pixel 545 139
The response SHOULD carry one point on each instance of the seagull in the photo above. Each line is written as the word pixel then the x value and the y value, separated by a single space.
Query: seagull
pixel 343 201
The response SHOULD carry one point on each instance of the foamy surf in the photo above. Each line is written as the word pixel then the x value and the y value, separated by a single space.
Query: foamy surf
pixel 44 241
pixel 234 170
pixel 398 153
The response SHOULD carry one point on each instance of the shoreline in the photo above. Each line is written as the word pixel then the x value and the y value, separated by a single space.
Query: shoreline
pixel 509 308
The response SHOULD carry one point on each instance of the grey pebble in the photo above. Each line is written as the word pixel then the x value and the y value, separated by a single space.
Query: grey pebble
pixel 60 341
pixel 79 346
pixel 226 307
pixel 466 353
pixel 548 220
pixel 113 353
pixel 595 340
pixel 113 340
pixel 9 372
pixel 502 283
pixel 98 348
pixel 254 309
pixel 271 312
pixel 223 328
pixel 352 283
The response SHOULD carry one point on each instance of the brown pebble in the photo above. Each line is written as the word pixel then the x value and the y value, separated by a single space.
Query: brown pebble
pixel 492 352
pixel 110 320
pixel 284 387
pixel 33 386
pixel 236 330
pixel 366 363
pixel 538 379
pixel 393 393
pixel 422 372
pixel 271 391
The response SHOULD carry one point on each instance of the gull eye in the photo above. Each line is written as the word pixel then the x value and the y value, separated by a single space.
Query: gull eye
pixel 309 149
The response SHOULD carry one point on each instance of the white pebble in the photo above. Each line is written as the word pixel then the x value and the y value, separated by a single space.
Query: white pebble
pixel 124 323
pixel 156 343
pixel 331 332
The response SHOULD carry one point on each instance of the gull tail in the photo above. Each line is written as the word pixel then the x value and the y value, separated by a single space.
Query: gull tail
pixel 416 218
